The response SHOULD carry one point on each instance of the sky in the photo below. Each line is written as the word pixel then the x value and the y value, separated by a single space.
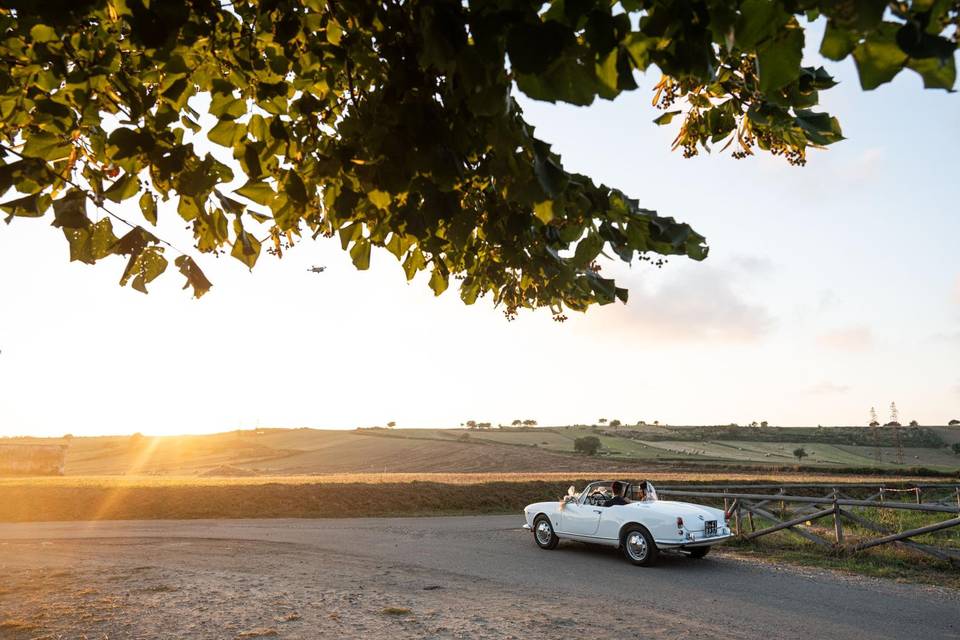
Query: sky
pixel 829 289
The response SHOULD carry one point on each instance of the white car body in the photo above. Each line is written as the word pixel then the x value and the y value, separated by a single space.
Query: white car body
pixel 575 518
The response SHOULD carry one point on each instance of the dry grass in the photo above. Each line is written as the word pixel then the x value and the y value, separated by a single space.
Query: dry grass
pixel 15 624
pixel 396 611
pixel 187 497
pixel 259 633
pixel 661 477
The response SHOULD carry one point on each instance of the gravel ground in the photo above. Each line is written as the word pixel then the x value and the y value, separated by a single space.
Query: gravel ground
pixel 471 577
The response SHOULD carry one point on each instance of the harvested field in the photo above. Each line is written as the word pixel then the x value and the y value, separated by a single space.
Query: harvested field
pixel 342 495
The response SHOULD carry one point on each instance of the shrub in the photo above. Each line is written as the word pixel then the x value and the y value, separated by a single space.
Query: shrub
pixel 587 444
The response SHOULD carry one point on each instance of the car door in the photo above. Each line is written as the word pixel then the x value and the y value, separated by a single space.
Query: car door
pixel 580 519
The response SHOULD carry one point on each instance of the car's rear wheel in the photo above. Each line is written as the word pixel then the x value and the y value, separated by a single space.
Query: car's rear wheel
pixel 698 552
pixel 543 533
pixel 638 546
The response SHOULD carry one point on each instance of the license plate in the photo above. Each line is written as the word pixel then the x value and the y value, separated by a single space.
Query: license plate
pixel 710 528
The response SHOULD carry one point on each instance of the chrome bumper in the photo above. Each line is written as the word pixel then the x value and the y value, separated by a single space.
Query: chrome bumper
pixel 686 544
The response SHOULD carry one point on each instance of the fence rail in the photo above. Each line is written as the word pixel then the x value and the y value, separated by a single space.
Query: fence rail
pixel 838 507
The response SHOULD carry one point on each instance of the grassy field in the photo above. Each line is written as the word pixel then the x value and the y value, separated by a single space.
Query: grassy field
pixel 285 452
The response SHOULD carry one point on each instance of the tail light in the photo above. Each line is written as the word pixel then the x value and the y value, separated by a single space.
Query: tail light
pixel 679 522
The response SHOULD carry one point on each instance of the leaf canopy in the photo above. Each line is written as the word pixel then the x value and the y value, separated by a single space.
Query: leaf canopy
pixel 393 124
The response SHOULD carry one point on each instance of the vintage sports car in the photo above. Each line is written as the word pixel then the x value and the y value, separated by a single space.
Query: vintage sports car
pixel 641 528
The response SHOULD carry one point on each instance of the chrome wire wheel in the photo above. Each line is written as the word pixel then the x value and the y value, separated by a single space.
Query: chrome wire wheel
pixel 544 532
pixel 637 546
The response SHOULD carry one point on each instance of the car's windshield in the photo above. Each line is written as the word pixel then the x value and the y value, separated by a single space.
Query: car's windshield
pixel 596 492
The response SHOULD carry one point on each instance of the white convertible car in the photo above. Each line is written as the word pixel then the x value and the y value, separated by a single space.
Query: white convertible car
pixel 636 521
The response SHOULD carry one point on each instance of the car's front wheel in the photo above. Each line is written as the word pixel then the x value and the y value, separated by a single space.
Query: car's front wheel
pixel 543 533
pixel 698 552
pixel 638 546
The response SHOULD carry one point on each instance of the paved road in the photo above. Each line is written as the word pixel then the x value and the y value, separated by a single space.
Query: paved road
pixel 721 596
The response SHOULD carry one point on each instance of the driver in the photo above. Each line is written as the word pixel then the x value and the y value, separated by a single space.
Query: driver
pixel 618 498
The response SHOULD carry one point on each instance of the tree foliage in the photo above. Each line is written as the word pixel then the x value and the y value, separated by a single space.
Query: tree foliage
pixel 393 124
pixel 589 445
pixel 800 453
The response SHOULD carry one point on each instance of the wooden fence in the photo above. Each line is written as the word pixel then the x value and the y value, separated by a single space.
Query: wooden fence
pixel 743 502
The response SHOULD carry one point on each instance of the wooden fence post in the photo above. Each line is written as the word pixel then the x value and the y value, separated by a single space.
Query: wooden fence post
pixel 737 519
pixel 917 489
pixel 958 497
pixel 837 524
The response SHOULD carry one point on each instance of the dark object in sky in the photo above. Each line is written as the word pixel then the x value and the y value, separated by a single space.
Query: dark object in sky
pixel 316 269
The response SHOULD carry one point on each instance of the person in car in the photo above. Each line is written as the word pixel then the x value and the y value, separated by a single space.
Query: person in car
pixel 618 498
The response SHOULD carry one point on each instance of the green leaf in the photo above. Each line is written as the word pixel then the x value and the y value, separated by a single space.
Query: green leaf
pixel 936 73
pixel 125 187
pixel 259 192
pixel 360 254
pixel 246 249
pixel 102 239
pixel 837 42
pixel 145 267
pixel 70 211
pixel 666 118
pixel 43 33
pixel 879 59
pixel 414 262
pixel 148 207
pixel 758 21
pixel 544 211
pixel 438 281
pixel 778 60
pixel 334 32
pixel 46 146
pixel 32 206
pixel 380 199
pixel 587 250
pixel 227 133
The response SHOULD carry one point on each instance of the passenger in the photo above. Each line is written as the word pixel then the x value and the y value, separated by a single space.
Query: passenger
pixel 618 498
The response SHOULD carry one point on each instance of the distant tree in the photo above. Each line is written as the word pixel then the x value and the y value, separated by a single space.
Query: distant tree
pixel 615 423
pixel 799 453
pixel 956 448
pixel 68 436
pixel 483 425
pixel 471 424
pixel 954 422
pixel 602 420
pixel 754 424
pixel 656 422
pixel 893 423
pixel 874 422
pixel 764 425
pixel 391 424
pixel 517 423
pixel 530 423
pixel 136 440
pixel 641 423
pixel 587 444
pixel 914 423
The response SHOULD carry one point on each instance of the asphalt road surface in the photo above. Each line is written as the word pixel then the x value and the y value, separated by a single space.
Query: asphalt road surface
pixel 465 577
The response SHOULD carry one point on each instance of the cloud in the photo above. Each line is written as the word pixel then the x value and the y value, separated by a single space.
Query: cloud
pixel 853 339
pixel 699 303
pixel 827 388
pixel 956 291
pixel 754 265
